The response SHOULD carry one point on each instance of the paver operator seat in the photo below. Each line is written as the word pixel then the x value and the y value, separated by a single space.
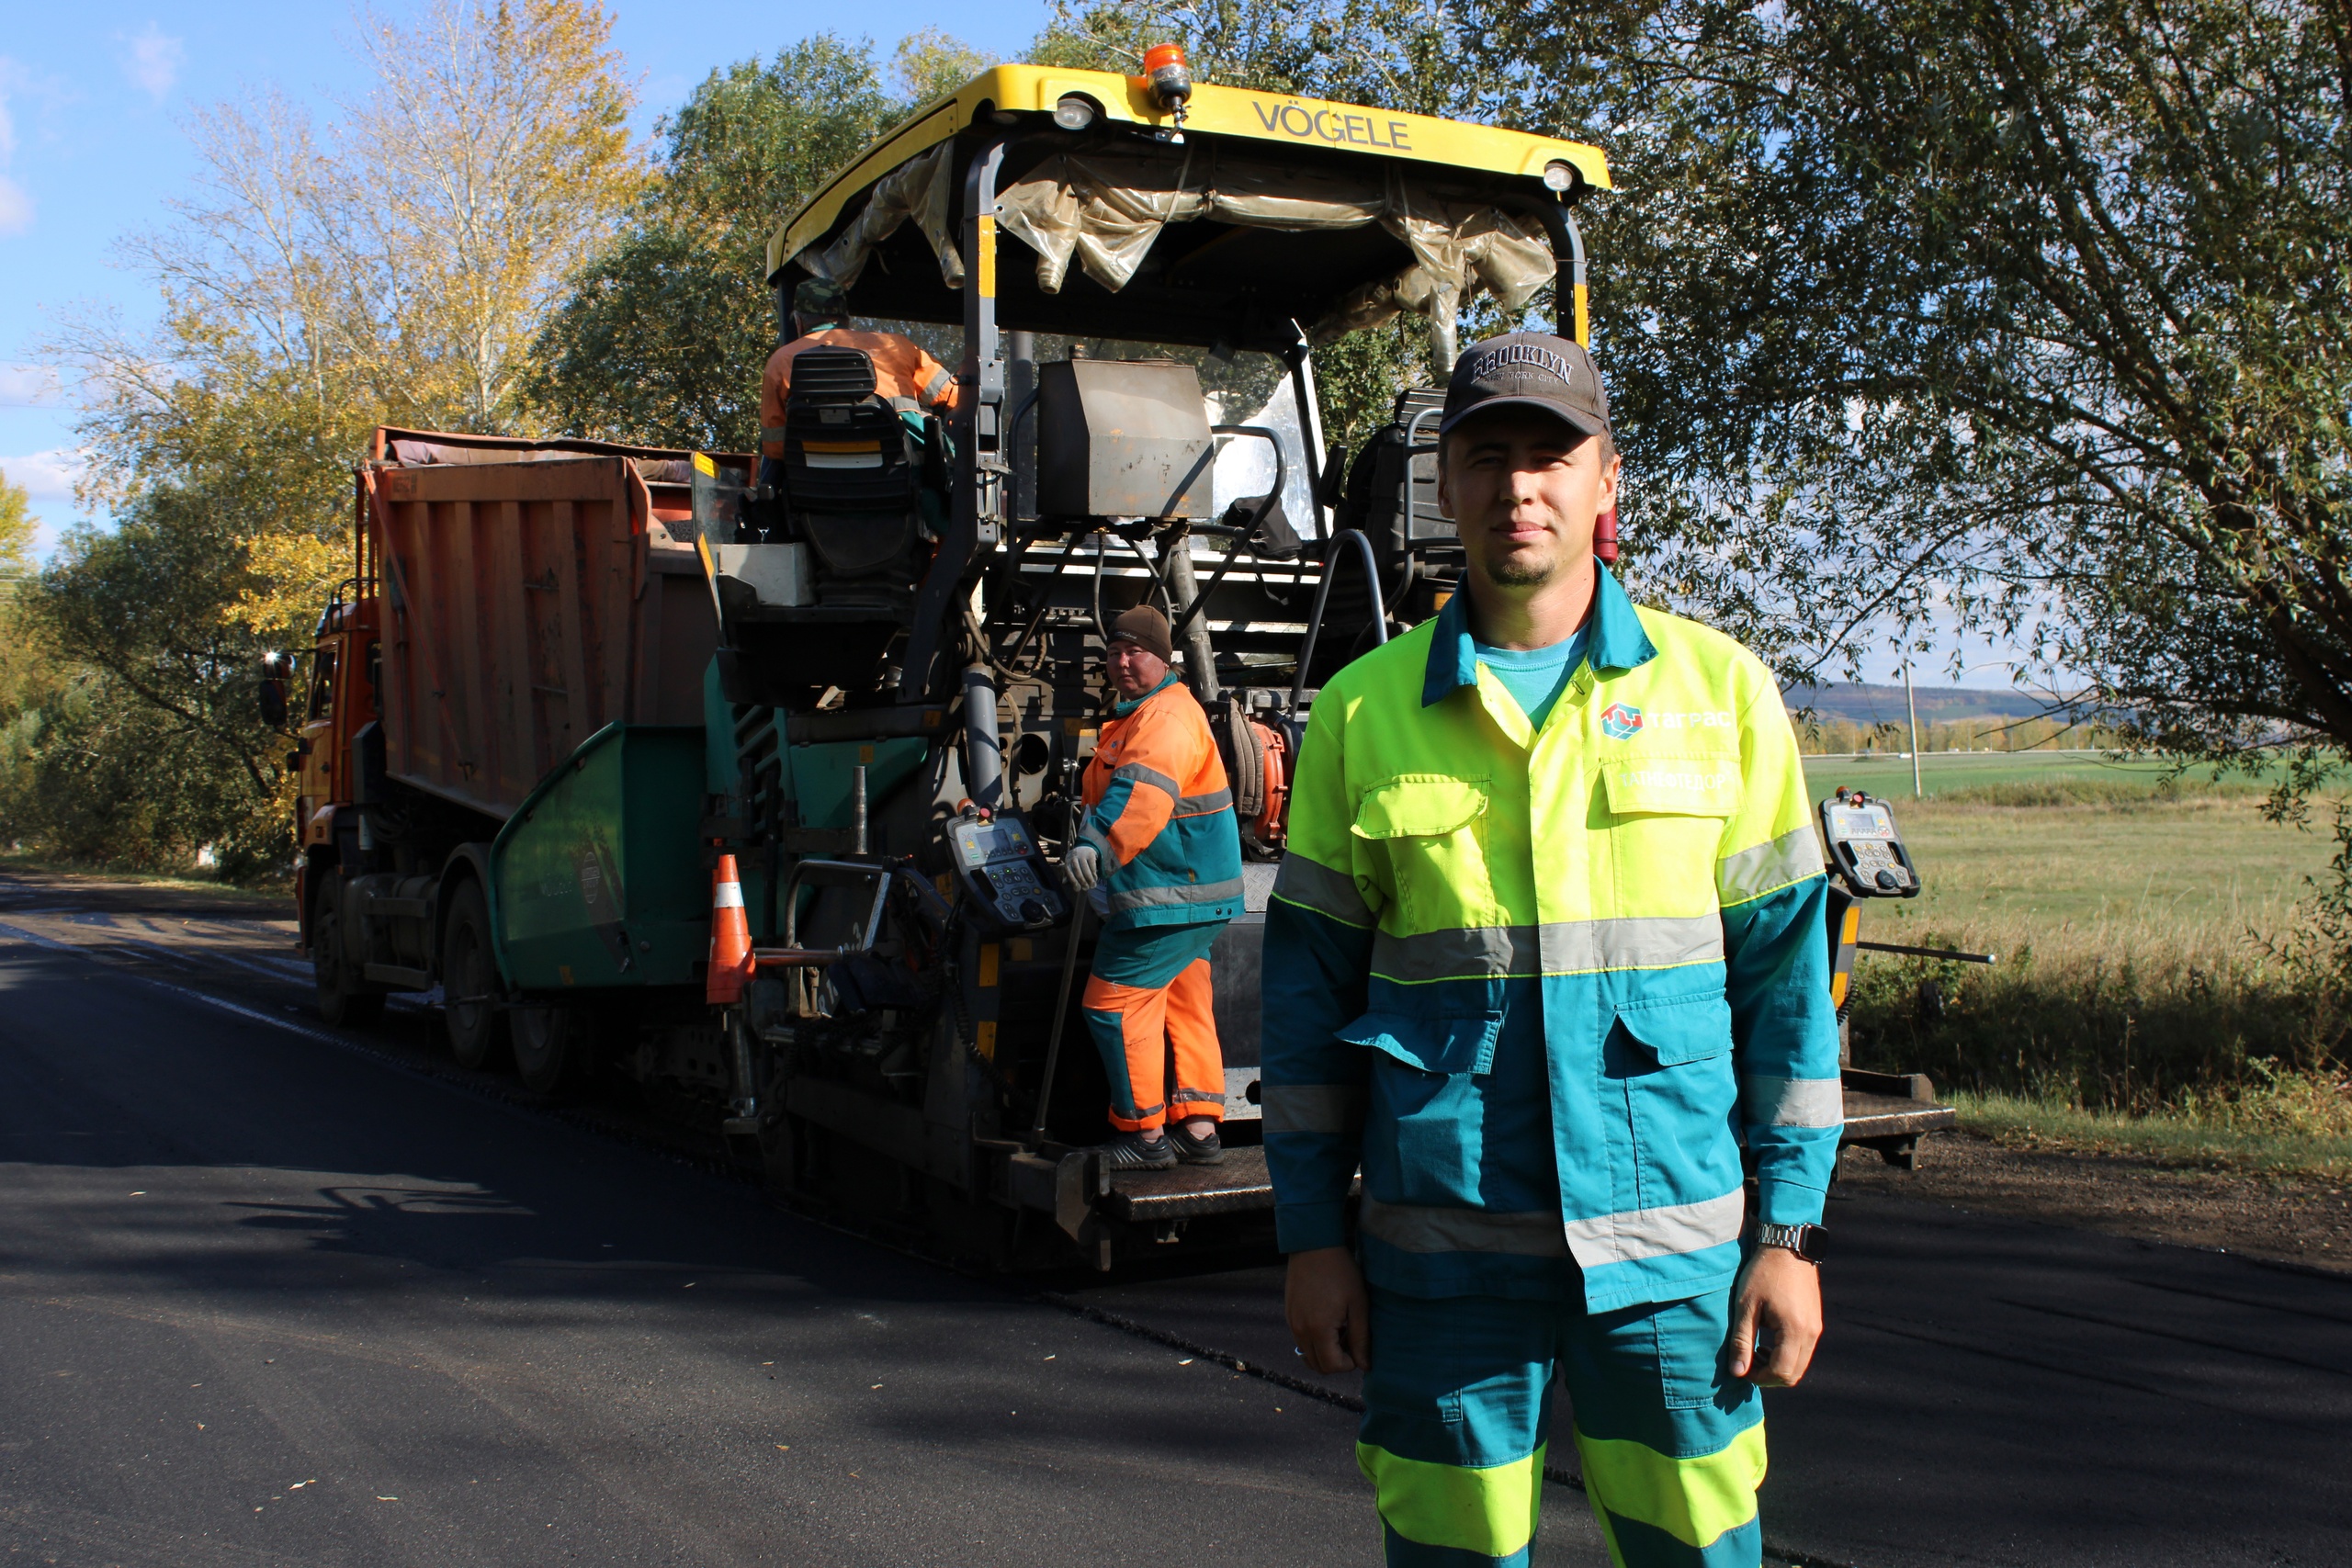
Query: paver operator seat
pixel 853 479
pixel 855 495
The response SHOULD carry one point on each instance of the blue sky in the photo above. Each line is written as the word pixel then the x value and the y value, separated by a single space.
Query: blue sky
pixel 94 96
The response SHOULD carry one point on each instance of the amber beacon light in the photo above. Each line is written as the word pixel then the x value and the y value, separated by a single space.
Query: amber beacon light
pixel 1171 80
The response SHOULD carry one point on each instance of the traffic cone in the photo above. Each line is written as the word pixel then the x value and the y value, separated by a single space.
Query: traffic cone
pixel 731 938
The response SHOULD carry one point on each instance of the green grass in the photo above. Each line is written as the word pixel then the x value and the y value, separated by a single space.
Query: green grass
pixel 1990 776
pixel 2173 1137
pixel 2200 870
pixel 2146 998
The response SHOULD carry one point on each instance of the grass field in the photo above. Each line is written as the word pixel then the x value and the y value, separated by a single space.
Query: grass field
pixel 2203 866
pixel 2141 998
pixel 1947 774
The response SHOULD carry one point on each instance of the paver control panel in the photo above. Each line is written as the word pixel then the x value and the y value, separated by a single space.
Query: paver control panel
pixel 1865 852
pixel 1004 874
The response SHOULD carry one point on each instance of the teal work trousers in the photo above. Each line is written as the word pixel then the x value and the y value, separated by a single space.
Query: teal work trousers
pixel 1459 1400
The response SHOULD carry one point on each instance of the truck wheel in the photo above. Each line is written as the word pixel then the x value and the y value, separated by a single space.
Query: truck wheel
pixel 469 983
pixel 552 1049
pixel 344 998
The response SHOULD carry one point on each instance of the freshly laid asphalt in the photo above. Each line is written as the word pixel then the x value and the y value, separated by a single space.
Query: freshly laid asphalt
pixel 275 1293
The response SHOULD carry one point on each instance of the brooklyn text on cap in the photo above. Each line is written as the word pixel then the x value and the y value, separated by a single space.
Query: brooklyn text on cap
pixel 1528 370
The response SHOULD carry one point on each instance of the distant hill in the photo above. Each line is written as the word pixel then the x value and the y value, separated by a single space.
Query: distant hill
pixel 1862 703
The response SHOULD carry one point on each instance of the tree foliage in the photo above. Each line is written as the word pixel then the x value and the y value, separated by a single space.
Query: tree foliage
pixel 133 735
pixel 496 150
pixel 18 527
pixel 390 266
pixel 660 338
pixel 2027 313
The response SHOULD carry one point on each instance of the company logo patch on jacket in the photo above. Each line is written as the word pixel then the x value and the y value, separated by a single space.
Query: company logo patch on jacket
pixel 1714 718
pixel 1621 721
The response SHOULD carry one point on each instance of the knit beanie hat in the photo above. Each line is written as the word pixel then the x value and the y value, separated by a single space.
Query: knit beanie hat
pixel 1147 629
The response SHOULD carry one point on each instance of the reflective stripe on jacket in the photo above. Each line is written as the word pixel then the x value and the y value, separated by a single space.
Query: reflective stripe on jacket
pixel 902 369
pixel 1543 985
pixel 1162 815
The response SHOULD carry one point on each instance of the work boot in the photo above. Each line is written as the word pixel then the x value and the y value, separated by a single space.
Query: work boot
pixel 1128 1151
pixel 1206 1149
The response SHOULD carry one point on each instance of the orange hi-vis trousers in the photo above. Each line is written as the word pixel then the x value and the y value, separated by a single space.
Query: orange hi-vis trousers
pixel 1149 1003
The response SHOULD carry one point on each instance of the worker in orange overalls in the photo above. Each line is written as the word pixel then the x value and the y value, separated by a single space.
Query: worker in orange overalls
pixel 1159 855
pixel 819 317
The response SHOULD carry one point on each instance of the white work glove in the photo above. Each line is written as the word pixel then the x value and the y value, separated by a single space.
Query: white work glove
pixel 1082 868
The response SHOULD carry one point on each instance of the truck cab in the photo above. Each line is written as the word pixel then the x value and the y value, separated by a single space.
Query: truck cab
pixel 340 700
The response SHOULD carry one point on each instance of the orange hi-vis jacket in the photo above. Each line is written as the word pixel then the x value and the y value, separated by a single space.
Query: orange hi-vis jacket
pixel 902 369
pixel 1162 815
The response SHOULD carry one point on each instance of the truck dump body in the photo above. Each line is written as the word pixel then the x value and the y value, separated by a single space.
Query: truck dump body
pixel 533 596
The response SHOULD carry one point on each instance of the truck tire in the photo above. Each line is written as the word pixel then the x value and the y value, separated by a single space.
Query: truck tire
pixel 345 1000
pixel 470 1007
pixel 552 1049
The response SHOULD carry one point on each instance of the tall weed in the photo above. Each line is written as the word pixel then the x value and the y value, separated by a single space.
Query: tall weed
pixel 2137 1017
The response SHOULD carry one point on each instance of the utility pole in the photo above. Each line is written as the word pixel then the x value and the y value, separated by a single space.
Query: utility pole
pixel 1912 703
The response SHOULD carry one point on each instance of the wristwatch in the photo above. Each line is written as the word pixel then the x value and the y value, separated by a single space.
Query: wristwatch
pixel 1803 1240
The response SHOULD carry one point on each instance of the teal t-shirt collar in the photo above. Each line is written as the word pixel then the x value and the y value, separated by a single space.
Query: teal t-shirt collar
pixel 1121 709
pixel 1615 639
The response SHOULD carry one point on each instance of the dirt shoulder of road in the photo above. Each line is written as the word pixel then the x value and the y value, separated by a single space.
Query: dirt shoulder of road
pixel 2293 1222
pixel 122 892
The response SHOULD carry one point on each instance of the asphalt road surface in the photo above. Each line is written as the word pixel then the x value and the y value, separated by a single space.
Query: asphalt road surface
pixel 276 1293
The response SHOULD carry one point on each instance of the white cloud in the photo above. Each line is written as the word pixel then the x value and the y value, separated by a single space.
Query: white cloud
pixel 30 387
pixel 152 62
pixel 46 476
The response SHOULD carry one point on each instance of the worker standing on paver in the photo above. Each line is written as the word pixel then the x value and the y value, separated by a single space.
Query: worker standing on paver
pixel 902 371
pixel 1545 952
pixel 1158 854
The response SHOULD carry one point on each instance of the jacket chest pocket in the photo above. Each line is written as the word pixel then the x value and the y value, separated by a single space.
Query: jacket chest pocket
pixel 1666 824
pixel 1432 830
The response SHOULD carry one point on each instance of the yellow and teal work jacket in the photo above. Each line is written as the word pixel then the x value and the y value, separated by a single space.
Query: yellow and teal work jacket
pixel 1544 987
pixel 1161 812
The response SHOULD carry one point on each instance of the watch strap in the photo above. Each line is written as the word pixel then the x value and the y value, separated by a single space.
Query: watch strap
pixel 1803 1240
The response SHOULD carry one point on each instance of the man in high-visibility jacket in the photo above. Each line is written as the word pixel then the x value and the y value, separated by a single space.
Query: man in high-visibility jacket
pixel 1544 960
pixel 1159 855
pixel 902 371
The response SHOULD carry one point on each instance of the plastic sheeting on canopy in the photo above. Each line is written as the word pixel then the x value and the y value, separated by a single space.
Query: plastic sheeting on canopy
pixel 1106 210
pixel 919 190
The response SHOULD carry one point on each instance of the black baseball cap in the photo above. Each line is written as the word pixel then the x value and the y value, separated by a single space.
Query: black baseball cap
pixel 1533 371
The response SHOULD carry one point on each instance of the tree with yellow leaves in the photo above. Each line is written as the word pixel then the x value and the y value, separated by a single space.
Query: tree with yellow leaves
pixel 391 265
pixel 496 150
pixel 18 525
